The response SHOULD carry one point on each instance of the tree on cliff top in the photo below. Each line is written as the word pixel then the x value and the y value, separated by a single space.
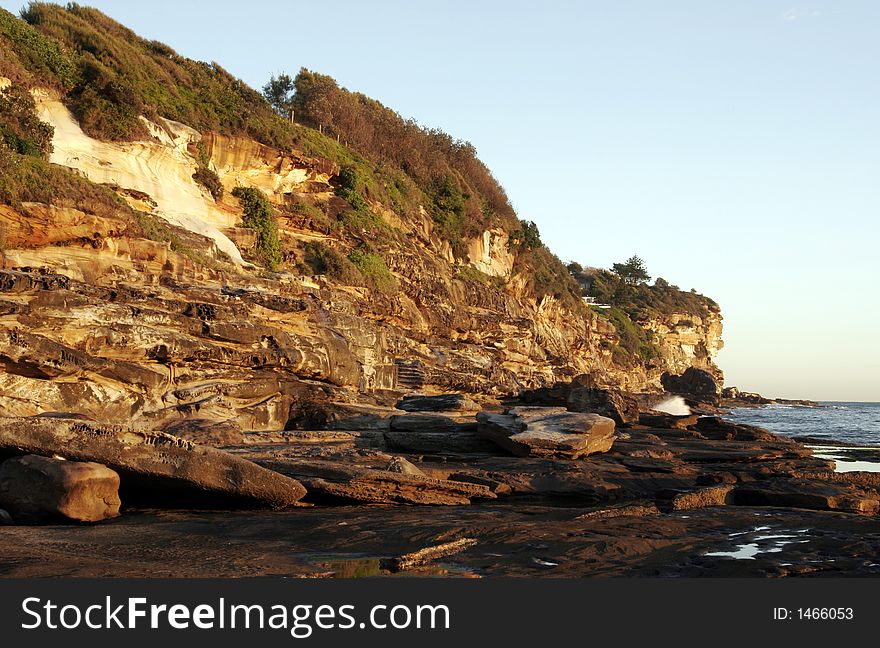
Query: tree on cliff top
pixel 632 271
pixel 279 93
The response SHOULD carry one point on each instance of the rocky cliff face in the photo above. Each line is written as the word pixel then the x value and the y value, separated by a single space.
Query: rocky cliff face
pixel 686 340
pixel 99 319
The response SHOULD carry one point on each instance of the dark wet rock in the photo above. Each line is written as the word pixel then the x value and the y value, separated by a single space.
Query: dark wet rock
pixel 584 394
pixel 667 421
pixel 870 480
pixel 716 478
pixel 496 486
pixel 333 481
pixel 547 432
pixel 151 459
pixel 713 427
pixel 435 433
pixel 38 489
pixel 553 396
pixel 5 518
pixel 26 280
pixel 34 356
pixel 611 403
pixel 800 493
pixel 695 385
pixel 438 403
pixel 429 422
pixel 322 415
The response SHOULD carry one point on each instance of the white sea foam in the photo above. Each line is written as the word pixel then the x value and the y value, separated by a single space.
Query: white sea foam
pixel 675 406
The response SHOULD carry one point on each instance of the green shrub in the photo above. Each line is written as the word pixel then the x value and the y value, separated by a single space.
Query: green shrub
pixel 210 181
pixel 635 340
pixel 25 178
pixel 359 220
pixel 526 237
pixel 313 216
pixel 350 188
pixel 36 56
pixel 372 266
pixel 259 216
pixel 327 261
pixel 449 210
pixel 113 76
pixel 20 129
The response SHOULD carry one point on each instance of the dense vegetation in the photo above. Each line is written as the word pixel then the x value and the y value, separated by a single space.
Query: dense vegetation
pixel 259 216
pixel 362 267
pixel 464 194
pixel 640 300
pixel 372 267
pixel 20 129
pixel 108 76
pixel 634 339
pixel 205 176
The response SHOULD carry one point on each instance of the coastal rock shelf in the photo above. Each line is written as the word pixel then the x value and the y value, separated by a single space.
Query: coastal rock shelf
pixel 151 461
pixel 678 498
pixel 234 345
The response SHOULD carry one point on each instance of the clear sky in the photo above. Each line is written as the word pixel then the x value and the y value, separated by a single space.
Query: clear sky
pixel 732 144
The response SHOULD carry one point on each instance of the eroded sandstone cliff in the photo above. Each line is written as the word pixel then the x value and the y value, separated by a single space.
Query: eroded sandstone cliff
pixel 111 324
pixel 386 276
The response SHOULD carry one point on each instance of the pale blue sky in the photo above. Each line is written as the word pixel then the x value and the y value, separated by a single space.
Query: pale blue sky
pixel 734 145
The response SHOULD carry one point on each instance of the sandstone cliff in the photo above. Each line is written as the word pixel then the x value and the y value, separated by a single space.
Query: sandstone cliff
pixel 103 317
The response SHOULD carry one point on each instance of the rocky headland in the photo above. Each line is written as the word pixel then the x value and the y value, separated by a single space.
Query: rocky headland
pixel 237 346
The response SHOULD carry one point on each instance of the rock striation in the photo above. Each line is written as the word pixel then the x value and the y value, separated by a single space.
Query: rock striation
pixel 151 460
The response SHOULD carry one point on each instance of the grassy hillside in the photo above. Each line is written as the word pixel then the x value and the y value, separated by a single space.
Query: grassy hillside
pixel 108 76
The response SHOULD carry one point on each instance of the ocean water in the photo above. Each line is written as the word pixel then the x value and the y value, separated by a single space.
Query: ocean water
pixel 833 426
pixel 847 422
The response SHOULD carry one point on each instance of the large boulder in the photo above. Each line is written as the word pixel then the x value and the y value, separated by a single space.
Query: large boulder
pixel 152 462
pixel 697 386
pixel 547 432
pixel 34 489
pixel 612 403
pixel 585 394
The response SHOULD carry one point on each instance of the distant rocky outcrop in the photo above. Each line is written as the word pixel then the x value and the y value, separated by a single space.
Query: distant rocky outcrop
pixel 735 397
pixel 697 386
